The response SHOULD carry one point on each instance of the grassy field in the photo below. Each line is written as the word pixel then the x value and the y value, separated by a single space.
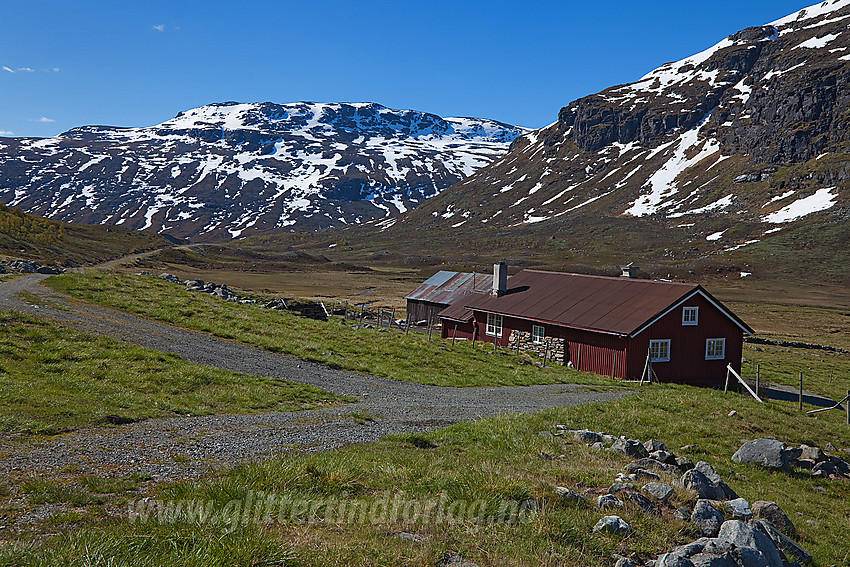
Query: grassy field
pixel 55 379
pixel 489 462
pixel 394 355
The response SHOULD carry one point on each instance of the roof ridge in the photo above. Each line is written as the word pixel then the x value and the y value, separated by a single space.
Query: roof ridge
pixel 615 278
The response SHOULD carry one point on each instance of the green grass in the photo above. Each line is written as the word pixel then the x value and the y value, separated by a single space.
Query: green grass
pixel 490 460
pixel 394 355
pixel 55 379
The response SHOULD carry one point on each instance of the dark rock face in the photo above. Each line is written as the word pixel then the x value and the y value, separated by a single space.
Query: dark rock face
pixel 231 169
pixel 721 139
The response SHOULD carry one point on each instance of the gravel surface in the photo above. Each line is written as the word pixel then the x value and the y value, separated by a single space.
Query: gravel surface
pixel 182 447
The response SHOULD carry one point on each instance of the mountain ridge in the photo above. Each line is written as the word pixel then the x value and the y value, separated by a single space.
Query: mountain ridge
pixel 227 169
pixel 747 136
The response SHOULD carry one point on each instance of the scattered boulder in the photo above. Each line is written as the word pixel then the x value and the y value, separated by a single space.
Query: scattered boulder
pixel 748 547
pixel 567 495
pixel 707 518
pixel 625 562
pixel 699 483
pixel 658 490
pixel 454 559
pixel 620 487
pixel 683 514
pixel 784 543
pixel 684 463
pixel 607 501
pixel 770 511
pixel 647 463
pixel 739 509
pixel 587 437
pixel 612 524
pixel 638 473
pixel 766 452
pixel 630 448
pixel 654 445
pixel 642 502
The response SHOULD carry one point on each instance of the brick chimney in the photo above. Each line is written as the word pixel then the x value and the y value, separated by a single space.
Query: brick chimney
pixel 500 279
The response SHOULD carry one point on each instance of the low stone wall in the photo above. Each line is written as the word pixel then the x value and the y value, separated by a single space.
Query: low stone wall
pixel 524 340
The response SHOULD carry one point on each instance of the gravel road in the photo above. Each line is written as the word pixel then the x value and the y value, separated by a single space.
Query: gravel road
pixel 185 447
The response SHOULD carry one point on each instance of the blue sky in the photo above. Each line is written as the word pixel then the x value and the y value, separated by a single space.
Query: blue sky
pixel 123 63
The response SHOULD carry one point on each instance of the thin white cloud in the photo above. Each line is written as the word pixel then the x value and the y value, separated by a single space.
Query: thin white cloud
pixel 6 133
pixel 28 70
pixel 159 27
pixel 43 119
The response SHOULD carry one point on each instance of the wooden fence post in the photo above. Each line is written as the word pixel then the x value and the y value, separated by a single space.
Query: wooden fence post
pixel 726 387
pixel 758 379
pixel 801 391
pixel 847 407
pixel 614 365
pixel 429 330
pixel 407 325
pixel 392 318
pixel 545 355
pixel 454 335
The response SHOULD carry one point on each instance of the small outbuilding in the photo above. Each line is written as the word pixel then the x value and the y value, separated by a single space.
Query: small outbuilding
pixel 442 290
pixel 613 326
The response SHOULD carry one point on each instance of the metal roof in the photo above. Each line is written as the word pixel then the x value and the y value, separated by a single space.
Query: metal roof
pixel 457 311
pixel 447 287
pixel 620 306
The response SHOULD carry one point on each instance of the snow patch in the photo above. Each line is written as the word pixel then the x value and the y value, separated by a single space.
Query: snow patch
pixel 821 200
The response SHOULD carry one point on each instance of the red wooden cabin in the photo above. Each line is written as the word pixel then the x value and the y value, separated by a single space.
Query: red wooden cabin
pixel 608 325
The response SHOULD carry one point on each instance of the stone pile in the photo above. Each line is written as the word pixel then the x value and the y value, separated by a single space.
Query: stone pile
pixel 221 291
pixel 774 454
pixel 734 533
pixel 27 267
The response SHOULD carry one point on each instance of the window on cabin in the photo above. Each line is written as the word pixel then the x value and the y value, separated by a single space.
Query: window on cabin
pixel 690 316
pixel 537 334
pixel 494 325
pixel 715 349
pixel 659 350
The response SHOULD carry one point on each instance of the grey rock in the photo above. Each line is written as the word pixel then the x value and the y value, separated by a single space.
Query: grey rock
pixel 629 447
pixel 647 463
pixel 587 437
pixel 829 447
pixel 407 536
pixel 714 478
pixel 766 452
pixel 784 543
pixel 826 468
pixel 686 448
pixel 608 439
pixel 625 562
pixel 770 511
pixel 607 501
pixel 682 514
pixel 620 487
pixel 748 546
pixel 567 494
pixel 665 457
pixel 654 445
pixel 707 518
pixel 699 483
pixel 47 270
pixel 673 560
pixel 454 559
pixel 710 560
pixel 658 490
pixel 640 472
pixel 613 524
pixel 739 509
pixel 684 463
pixel 642 502
pixel 599 445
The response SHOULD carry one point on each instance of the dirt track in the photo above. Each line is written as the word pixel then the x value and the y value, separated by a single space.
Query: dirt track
pixel 188 446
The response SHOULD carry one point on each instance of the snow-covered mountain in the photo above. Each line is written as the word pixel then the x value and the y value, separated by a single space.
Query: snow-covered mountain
pixel 725 147
pixel 225 170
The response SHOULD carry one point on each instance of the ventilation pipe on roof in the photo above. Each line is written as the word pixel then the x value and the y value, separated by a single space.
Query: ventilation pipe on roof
pixel 500 279
pixel 629 271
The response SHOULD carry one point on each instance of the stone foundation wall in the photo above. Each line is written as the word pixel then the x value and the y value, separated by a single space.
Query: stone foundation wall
pixel 523 339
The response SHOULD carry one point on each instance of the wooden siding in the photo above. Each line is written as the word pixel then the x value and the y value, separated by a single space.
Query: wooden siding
pixel 424 310
pixel 687 363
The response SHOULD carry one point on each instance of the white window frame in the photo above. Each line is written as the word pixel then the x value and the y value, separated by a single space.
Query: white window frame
pixel 538 334
pixel 687 320
pixel 663 346
pixel 494 325
pixel 711 349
